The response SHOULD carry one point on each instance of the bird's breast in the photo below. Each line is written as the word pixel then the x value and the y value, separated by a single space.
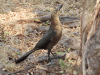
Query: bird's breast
pixel 56 38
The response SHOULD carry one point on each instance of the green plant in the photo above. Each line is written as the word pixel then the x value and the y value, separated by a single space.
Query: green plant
pixel 47 22
pixel 62 63
pixel 69 49
pixel 64 52
pixel 18 53
pixel 61 52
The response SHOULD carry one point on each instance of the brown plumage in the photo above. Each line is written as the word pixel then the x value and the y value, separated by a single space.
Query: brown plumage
pixel 51 37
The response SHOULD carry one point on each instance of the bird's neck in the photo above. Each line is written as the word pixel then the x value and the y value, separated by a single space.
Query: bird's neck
pixel 55 21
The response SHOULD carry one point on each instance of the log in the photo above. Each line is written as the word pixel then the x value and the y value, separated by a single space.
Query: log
pixel 63 19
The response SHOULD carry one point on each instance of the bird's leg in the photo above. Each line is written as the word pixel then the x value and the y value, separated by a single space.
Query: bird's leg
pixel 49 50
pixel 53 55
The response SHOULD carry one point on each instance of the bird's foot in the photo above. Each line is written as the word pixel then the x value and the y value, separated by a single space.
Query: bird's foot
pixel 54 55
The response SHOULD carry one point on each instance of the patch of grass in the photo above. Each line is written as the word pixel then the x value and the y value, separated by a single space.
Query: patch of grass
pixel 62 63
pixel 66 67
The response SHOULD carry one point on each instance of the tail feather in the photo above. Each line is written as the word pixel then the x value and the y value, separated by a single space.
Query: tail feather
pixel 24 56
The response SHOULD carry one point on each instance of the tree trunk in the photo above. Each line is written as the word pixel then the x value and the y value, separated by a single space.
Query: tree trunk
pixel 91 38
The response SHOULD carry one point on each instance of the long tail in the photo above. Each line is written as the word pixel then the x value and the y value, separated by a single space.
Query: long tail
pixel 22 58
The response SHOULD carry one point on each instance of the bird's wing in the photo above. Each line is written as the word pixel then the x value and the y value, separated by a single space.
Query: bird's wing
pixel 46 39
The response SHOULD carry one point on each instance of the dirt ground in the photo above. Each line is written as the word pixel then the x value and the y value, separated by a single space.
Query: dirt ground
pixel 18 36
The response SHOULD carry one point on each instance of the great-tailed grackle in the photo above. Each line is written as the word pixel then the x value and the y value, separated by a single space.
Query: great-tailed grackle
pixel 51 37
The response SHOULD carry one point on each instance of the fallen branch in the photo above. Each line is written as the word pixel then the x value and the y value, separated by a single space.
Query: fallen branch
pixel 63 19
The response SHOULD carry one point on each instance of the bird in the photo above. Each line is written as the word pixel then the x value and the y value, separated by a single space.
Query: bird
pixel 50 38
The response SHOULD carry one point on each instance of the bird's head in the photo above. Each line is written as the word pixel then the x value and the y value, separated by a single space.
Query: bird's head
pixel 55 13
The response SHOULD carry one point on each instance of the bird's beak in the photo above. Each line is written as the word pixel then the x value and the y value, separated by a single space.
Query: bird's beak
pixel 59 7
